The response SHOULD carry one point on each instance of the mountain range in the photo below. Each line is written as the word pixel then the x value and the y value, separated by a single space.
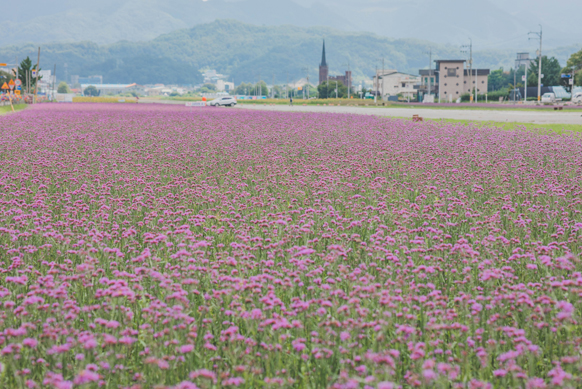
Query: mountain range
pixel 491 24
pixel 246 53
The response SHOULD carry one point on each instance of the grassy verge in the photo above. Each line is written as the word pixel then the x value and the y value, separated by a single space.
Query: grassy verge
pixel 6 108
pixel 553 127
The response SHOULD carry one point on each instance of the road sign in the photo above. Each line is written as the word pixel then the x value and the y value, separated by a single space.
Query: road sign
pixel 18 87
pixel 522 78
pixel 17 82
pixel 17 92
pixel 3 64
pixel 571 81
pixel 5 86
pixel 299 88
pixel 11 86
pixel 542 76
pixel 33 73
pixel 11 83
pixel 566 76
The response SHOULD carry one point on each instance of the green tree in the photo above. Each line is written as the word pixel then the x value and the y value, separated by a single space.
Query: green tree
pixel 497 80
pixel 328 90
pixel 574 65
pixel 91 91
pixel 5 77
pixel 63 88
pixel 551 70
pixel 25 73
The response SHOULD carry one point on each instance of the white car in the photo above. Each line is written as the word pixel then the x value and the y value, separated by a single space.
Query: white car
pixel 548 98
pixel 577 99
pixel 226 101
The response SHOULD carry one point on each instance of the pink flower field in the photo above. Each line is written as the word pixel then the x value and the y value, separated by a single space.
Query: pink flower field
pixel 166 247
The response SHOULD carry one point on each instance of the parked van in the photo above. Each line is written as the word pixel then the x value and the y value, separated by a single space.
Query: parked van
pixel 548 98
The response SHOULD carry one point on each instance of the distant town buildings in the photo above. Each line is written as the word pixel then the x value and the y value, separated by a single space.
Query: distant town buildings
pixel 91 80
pixel 389 83
pixel 523 59
pixel 224 86
pixel 106 89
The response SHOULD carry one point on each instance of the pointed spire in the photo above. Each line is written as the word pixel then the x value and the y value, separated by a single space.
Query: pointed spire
pixel 323 61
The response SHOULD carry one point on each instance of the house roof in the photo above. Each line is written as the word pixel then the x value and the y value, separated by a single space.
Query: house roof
pixel 450 60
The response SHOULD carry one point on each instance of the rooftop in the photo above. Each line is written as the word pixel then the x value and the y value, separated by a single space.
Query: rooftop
pixel 450 60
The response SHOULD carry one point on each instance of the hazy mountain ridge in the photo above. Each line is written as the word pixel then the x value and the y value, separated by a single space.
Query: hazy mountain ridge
pixel 245 52
pixel 490 23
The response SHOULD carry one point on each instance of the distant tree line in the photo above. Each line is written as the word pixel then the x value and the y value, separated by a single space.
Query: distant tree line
pixel 551 69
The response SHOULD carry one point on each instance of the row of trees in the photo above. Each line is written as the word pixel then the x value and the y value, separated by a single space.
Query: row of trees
pixel 323 91
pixel 551 69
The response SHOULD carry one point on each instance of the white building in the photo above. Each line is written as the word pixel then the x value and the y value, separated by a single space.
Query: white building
pixel 393 83
pixel 224 86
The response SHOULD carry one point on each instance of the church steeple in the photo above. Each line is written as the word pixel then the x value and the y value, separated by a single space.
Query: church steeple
pixel 323 69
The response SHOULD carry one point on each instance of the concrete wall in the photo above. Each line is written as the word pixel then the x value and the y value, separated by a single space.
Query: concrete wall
pixel 451 79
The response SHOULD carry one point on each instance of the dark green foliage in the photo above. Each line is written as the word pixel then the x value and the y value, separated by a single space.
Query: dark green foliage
pixel 551 70
pixel 91 91
pixel 25 73
pixel 328 90
pixel 63 88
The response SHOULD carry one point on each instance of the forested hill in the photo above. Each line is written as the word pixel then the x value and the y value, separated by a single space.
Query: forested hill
pixel 244 52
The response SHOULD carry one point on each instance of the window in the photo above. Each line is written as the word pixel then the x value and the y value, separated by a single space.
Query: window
pixel 404 85
pixel 457 84
pixel 452 72
pixel 457 92
pixel 445 84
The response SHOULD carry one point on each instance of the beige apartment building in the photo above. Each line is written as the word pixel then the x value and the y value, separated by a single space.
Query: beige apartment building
pixel 452 79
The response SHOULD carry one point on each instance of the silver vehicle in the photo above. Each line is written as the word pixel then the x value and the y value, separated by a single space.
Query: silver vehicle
pixel 548 98
pixel 577 98
pixel 226 101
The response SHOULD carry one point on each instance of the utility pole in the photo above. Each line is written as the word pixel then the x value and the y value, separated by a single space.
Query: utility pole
pixel 349 79
pixel 306 70
pixel 429 68
pixel 470 47
pixel 383 71
pixel 539 34
pixel 376 85
pixel 54 82
pixel 525 87
pixel 514 78
pixel 37 71
pixel 273 87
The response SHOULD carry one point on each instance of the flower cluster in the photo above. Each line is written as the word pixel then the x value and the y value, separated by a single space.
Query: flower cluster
pixel 157 246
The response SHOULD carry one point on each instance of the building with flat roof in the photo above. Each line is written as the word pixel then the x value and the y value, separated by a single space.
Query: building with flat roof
pixel 450 79
pixel 393 83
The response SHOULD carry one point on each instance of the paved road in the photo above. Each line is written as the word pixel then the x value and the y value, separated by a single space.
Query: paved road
pixel 502 115
pixel 538 117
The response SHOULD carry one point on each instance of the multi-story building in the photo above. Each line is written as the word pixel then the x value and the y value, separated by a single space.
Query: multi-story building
pixel 452 79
